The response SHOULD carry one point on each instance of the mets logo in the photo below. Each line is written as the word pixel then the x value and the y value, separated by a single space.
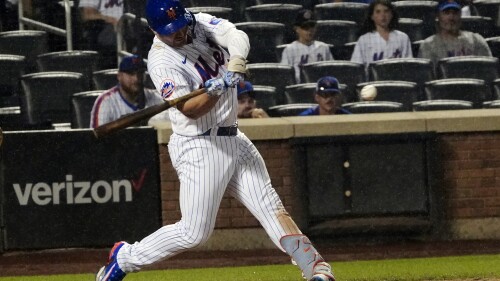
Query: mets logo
pixel 171 13
pixel 167 88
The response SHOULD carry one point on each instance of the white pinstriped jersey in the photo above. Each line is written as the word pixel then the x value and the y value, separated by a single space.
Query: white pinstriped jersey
pixel 179 71
pixel 110 105
pixel 296 54
pixel 372 47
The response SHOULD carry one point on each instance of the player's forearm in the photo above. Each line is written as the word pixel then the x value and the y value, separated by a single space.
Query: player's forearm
pixel 89 14
pixel 198 106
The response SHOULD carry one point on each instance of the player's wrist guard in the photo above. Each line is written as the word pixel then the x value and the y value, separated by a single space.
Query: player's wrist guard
pixel 215 87
pixel 237 64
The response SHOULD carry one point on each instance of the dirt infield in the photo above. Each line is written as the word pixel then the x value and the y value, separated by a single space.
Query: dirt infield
pixel 67 261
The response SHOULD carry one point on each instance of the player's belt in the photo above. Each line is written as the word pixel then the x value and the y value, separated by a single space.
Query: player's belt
pixel 223 131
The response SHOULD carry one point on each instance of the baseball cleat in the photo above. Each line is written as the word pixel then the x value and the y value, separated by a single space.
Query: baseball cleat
pixel 111 271
pixel 322 272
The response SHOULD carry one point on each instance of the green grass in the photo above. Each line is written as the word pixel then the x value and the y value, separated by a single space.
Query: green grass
pixel 484 266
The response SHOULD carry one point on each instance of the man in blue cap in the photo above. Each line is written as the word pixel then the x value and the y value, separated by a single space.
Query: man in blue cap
pixel 450 41
pixel 246 102
pixel 329 98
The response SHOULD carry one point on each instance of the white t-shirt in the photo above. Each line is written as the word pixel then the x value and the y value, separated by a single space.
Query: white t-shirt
pixel 112 8
pixel 297 54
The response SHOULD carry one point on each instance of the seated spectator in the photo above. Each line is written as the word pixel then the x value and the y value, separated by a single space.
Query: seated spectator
pixel 126 97
pixel 246 102
pixel 305 49
pixel 329 98
pixel 100 19
pixel 380 39
pixel 449 40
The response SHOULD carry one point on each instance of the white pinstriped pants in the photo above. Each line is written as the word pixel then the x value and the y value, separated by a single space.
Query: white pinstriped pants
pixel 206 166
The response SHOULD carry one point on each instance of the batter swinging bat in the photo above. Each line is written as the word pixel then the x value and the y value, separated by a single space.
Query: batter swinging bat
pixel 133 118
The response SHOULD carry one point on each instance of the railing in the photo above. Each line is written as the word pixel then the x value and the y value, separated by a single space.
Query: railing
pixel 49 28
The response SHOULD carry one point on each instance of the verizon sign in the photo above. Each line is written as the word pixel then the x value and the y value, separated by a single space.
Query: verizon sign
pixel 68 189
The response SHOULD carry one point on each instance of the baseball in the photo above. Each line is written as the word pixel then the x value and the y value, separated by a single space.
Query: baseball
pixel 368 93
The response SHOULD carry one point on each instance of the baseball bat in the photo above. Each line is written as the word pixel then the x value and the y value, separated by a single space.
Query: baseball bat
pixel 148 112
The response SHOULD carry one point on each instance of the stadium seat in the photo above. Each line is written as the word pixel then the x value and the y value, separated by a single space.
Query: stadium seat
pixel 272 74
pixel 491 104
pixel 10 118
pixel 12 67
pixel 264 37
pixel 27 43
pixel 467 89
pixel 496 89
pixel 416 70
pixel 264 96
pixel 280 13
pixel 285 110
pixel 337 32
pixel 220 12
pixel 347 72
pixel 431 105
pixel 84 62
pixel 478 24
pixel 81 107
pixel 343 52
pixel 490 9
pixel 46 96
pixel 494 44
pixel 485 68
pixel 412 27
pixel 351 11
pixel 403 92
pixel 373 107
pixel 296 2
pixel 422 10
pixel 104 79
pixel 304 93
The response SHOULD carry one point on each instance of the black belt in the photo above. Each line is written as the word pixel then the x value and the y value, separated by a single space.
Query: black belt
pixel 223 131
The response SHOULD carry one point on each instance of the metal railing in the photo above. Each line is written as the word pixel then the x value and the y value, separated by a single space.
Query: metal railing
pixel 49 28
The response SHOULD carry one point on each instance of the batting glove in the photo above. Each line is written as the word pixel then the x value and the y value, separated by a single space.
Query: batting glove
pixel 233 78
pixel 215 87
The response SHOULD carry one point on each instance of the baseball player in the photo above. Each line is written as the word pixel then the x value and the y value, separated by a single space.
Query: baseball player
pixel 128 96
pixel 305 49
pixel 380 39
pixel 207 150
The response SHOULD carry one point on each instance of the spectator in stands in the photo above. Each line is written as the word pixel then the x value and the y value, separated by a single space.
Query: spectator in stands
pixel 126 97
pixel 100 19
pixel 329 98
pixel 246 102
pixel 449 40
pixel 380 39
pixel 305 49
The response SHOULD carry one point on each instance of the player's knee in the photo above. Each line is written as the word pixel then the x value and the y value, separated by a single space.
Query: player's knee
pixel 194 237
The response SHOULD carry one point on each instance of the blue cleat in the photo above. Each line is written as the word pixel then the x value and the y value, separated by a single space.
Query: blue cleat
pixel 111 272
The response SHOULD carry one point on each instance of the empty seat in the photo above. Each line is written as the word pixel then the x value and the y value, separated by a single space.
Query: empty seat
pixel 403 92
pixel 412 27
pixel 284 110
pixel 104 79
pixel 430 105
pixel 12 67
pixel 214 3
pixel 280 13
pixel 373 107
pixel 477 24
pixel 347 72
pixel 10 118
pixel 416 70
pixel 296 2
pixel 304 93
pixel 490 9
pixel 46 96
pixel 337 32
pixel 220 12
pixel 491 104
pixel 264 96
pixel 494 44
pixel 485 68
pixel 27 43
pixel 264 37
pixel 423 10
pixel 467 89
pixel 81 107
pixel 496 89
pixel 343 52
pixel 351 11
pixel 272 74
pixel 84 62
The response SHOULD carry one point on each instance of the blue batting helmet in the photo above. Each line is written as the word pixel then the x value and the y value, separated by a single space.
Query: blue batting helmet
pixel 167 16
